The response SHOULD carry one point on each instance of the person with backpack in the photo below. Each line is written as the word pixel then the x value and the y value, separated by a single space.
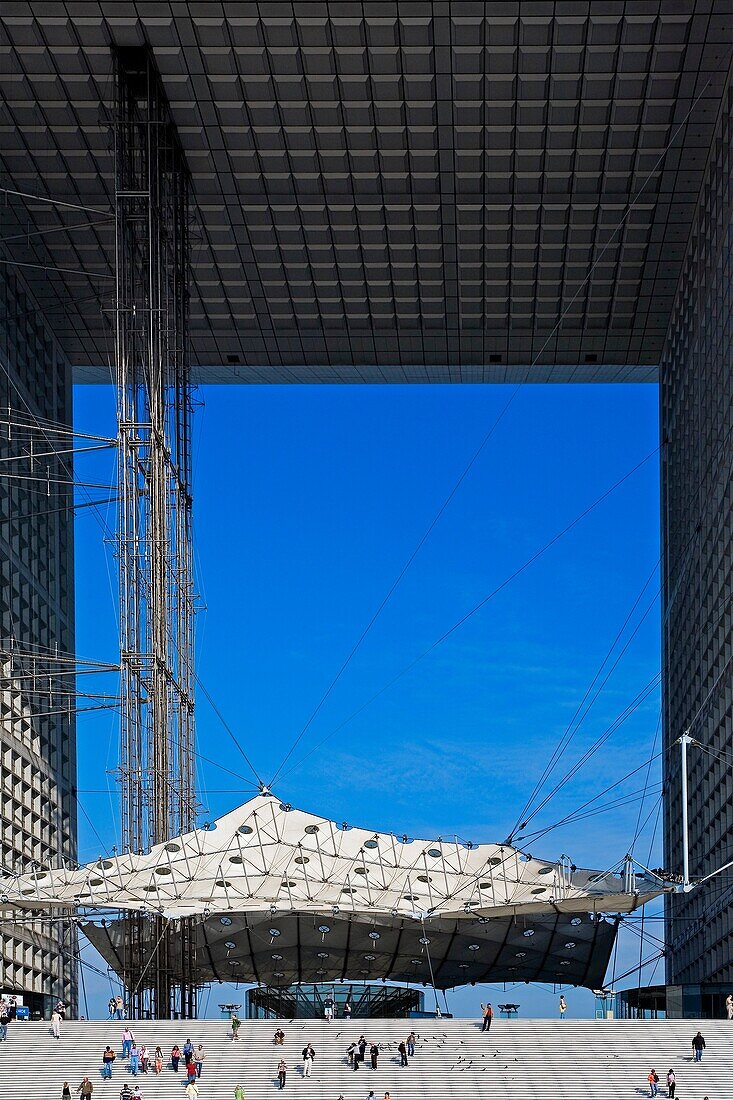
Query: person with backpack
pixel 653 1080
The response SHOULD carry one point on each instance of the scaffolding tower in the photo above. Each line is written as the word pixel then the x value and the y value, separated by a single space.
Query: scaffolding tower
pixel 154 536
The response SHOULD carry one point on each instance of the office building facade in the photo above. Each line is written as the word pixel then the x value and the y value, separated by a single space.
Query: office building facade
pixel 696 401
pixel 38 750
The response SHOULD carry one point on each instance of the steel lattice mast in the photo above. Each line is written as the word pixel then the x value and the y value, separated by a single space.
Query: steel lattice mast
pixel 154 521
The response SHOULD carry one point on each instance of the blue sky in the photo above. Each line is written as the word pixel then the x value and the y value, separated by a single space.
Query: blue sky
pixel 308 502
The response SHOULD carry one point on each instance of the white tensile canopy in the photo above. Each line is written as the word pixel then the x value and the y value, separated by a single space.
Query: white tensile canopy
pixel 268 856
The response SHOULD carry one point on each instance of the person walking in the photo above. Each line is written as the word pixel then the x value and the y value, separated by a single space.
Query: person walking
pixel 239 1092
pixel 362 1047
pixel 402 1048
pixel 411 1040
pixel 111 1007
pixel 374 1054
pixel 729 1005
pixel 192 1089
pixel 698 1046
pixel 488 1014
pixel 351 1053
pixel 119 1007
pixel 653 1080
pixel 4 1019
pixel 134 1059
pixel 175 1057
pixel 198 1058
pixel 671 1084
pixel 108 1057
pixel 563 1007
pixel 347 1010
pixel 328 1009
pixel 86 1088
pixel 127 1040
pixel 190 1070
pixel 126 1093
pixel 309 1057
pixel 56 1024
pixel 144 1059
pixel 236 1024
pixel 282 1072
pixel 66 1091
pixel 158 1061
pixel 188 1051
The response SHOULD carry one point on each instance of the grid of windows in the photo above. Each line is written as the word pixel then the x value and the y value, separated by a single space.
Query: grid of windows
pixel 697 487
pixel 388 191
pixel 37 743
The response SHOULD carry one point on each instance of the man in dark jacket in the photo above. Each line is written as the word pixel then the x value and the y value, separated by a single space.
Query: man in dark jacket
pixel 698 1045
pixel 108 1057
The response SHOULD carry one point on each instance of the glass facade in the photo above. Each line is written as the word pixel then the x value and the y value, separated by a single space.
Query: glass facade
pixel 697 497
pixel 37 739
pixel 368 1001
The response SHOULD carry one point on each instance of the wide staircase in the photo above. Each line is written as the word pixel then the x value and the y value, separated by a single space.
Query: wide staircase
pixel 516 1060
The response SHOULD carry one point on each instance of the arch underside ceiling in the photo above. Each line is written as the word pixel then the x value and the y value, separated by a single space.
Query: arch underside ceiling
pixel 399 192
